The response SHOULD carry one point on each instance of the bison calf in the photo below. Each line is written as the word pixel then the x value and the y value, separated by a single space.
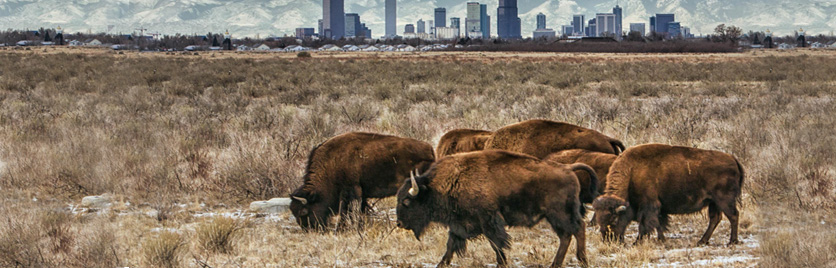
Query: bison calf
pixel 461 141
pixel 540 138
pixel 649 182
pixel 479 193
pixel 352 167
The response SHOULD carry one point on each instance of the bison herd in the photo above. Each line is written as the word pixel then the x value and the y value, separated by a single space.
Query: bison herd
pixel 478 182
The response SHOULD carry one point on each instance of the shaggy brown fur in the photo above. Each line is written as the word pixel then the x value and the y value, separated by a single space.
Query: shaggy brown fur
pixel 482 192
pixel 601 162
pixel 352 167
pixel 461 141
pixel 649 182
pixel 540 138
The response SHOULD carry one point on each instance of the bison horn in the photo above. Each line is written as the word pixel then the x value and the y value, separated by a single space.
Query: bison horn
pixel 301 199
pixel 621 209
pixel 413 191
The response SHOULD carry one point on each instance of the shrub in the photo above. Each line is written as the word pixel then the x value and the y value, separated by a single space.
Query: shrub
pixel 219 234
pixel 303 54
pixel 164 249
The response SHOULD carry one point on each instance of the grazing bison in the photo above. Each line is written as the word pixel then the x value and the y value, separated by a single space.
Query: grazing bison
pixel 461 141
pixel 351 168
pixel 649 182
pixel 540 138
pixel 482 192
pixel 601 162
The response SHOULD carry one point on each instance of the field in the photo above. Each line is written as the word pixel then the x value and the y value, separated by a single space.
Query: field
pixel 182 143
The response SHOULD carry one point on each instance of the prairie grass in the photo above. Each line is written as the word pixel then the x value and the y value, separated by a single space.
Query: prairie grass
pixel 175 137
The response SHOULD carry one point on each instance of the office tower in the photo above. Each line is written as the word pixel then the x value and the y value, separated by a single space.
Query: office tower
pixel 440 17
pixel 674 29
pixel 420 25
pixel 485 21
pixel 303 33
pixel 455 23
pixel 391 18
pixel 409 28
pixel 578 24
pixel 567 30
pixel 431 27
pixel 541 21
pixel 365 30
pixel 507 20
pixel 662 21
pixel 605 24
pixel 473 21
pixel 333 18
pixel 637 27
pixel 653 24
pixel 353 28
pixel 319 28
pixel 592 29
pixel 618 15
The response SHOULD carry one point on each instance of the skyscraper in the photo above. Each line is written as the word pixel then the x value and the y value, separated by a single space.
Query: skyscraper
pixel 618 15
pixel 674 29
pixel 440 17
pixel 409 28
pixel 592 30
pixel 353 28
pixel 431 27
pixel 541 21
pixel 391 18
pixel 653 24
pixel 605 24
pixel 662 21
pixel 455 23
pixel 578 24
pixel 508 20
pixel 485 21
pixel 420 25
pixel 333 18
pixel 473 21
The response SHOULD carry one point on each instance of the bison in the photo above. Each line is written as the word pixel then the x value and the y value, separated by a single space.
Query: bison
pixel 601 162
pixel 351 168
pixel 479 193
pixel 461 141
pixel 649 182
pixel 540 138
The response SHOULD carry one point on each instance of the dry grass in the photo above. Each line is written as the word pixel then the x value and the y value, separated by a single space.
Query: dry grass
pixel 176 138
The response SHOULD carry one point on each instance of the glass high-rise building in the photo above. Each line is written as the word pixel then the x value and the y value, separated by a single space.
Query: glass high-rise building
pixel 421 26
pixel 455 23
pixel 485 21
pixel 605 25
pixel 662 21
pixel 333 18
pixel 578 24
pixel 508 20
pixel 391 18
pixel 353 28
pixel 541 21
pixel 618 15
pixel 440 17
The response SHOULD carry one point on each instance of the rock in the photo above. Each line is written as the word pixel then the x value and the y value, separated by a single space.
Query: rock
pixel 275 205
pixel 96 201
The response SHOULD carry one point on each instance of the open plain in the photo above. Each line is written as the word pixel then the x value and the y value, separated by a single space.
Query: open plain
pixel 179 144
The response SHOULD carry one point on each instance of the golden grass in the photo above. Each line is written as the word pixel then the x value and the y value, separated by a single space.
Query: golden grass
pixel 175 139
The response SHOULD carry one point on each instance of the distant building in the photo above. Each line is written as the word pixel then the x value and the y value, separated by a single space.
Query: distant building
pixel 409 29
pixel 447 33
pixel 421 26
pixel 319 28
pixel 801 40
pixel 662 21
pixel 592 28
pixel 333 18
pixel 353 28
pixel 391 18
pixel 653 24
pixel 637 27
pixel 440 17
pixel 578 24
pixel 473 21
pixel 485 21
pixel 686 32
pixel 366 31
pixel 541 21
pixel 544 33
pixel 431 26
pixel 767 41
pixel 456 23
pixel 59 36
pixel 618 16
pixel 567 30
pixel 508 20
pixel 674 29
pixel 605 25
pixel 227 43
pixel 304 33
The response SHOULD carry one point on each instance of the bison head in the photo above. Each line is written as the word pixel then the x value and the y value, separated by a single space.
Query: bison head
pixel 612 214
pixel 413 205
pixel 309 210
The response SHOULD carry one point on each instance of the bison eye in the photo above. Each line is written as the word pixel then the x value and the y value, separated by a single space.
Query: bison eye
pixel 406 202
pixel 303 212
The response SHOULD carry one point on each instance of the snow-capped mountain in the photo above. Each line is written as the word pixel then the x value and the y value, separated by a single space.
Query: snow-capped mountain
pixel 279 17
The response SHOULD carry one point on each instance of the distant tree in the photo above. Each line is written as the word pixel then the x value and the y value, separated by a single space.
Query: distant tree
pixel 723 33
pixel 635 36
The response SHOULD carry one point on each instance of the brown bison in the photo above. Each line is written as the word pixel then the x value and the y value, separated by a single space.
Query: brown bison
pixel 461 141
pixel 351 168
pixel 649 182
pixel 479 193
pixel 601 162
pixel 540 138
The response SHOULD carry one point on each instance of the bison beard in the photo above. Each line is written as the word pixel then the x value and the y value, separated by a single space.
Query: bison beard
pixel 649 182
pixel 480 193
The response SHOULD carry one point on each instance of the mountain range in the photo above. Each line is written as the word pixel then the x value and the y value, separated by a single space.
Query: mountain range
pixel 279 17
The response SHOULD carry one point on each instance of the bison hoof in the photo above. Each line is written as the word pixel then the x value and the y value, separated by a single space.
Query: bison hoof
pixel 702 243
pixel 734 242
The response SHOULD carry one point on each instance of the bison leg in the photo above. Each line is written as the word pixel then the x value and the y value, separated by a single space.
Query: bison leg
pixel 580 240
pixel 732 213
pixel 663 226
pixel 499 241
pixel 455 244
pixel 714 218
pixel 565 239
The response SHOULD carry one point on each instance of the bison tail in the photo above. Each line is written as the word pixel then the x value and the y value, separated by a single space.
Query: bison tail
pixel 593 177
pixel 617 146
pixel 740 182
